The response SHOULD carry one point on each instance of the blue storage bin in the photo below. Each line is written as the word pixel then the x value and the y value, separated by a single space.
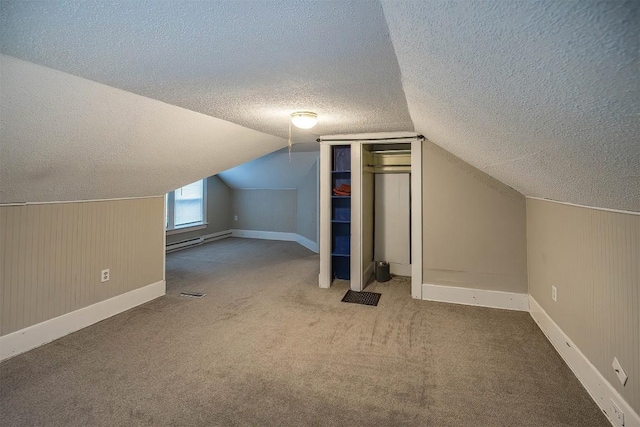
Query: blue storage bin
pixel 342 158
pixel 341 214
pixel 341 267
pixel 342 244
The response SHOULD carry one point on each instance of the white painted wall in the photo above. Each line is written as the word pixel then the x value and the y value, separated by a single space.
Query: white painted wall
pixel 393 221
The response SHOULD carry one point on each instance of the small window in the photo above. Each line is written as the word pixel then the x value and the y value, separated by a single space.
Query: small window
pixel 186 206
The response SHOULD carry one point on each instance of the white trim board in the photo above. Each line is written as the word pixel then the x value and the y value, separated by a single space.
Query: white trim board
pixel 600 390
pixel 36 335
pixel 356 137
pixel 324 220
pixel 478 297
pixel 416 220
pixel 368 272
pixel 307 243
pixel 400 269
pixel 276 235
pixel 585 206
pixel 58 202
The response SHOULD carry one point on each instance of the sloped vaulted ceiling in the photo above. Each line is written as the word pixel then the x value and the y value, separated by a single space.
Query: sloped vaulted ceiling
pixel 543 95
pixel 250 63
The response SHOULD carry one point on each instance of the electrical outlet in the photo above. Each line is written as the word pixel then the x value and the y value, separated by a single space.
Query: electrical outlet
pixel 554 294
pixel 235 217
pixel 104 276
pixel 617 416
pixel 622 376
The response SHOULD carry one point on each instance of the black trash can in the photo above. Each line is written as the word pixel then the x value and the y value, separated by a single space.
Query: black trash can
pixel 382 271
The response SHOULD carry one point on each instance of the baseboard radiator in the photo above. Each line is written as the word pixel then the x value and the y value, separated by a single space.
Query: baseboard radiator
pixel 216 236
pixel 184 244
pixel 188 243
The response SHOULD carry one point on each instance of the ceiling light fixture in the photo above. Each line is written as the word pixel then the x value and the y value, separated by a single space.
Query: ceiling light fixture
pixel 304 119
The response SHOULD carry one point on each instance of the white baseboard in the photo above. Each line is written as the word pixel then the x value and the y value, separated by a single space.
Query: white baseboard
pixel 400 269
pixel 276 235
pixel 601 391
pixel 307 243
pixel 266 235
pixel 479 297
pixel 368 273
pixel 52 329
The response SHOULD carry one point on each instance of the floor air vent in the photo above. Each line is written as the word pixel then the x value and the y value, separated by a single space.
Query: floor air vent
pixel 192 294
pixel 364 298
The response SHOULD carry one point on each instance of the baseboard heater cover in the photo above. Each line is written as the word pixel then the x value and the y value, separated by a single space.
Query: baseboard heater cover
pixel 216 236
pixel 184 244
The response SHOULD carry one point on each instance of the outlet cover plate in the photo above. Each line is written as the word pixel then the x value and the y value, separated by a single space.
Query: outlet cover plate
pixel 622 376
pixel 104 275
pixel 554 294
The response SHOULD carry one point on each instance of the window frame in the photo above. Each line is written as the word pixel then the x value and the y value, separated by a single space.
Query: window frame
pixel 170 206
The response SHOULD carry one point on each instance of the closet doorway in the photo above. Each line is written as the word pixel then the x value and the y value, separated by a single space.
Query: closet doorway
pixel 392 207
pixel 385 209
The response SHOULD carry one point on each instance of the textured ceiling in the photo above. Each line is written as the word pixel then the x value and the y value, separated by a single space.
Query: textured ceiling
pixel 275 170
pixel 248 62
pixel 542 95
pixel 63 137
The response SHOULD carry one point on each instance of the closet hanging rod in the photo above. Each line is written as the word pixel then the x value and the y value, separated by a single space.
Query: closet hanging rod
pixel 391 152
pixel 389 166
pixel 370 139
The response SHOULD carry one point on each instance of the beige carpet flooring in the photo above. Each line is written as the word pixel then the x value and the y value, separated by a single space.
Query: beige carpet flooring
pixel 267 347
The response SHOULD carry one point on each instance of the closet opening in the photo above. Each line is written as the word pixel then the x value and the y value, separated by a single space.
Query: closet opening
pixel 371 209
pixel 386 207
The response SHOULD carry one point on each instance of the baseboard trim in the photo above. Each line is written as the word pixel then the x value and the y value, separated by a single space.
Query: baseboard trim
pixel 265 235
pixel 601 390
pixel 307 243
pixel 477 297
pixel 276 235
pixel 400 269
pixel 34 336
pixel 368 273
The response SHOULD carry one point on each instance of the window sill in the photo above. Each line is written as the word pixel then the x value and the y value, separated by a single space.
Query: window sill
pixel 187 229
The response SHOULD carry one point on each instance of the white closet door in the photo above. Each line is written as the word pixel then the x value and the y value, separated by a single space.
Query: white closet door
pixel 393 221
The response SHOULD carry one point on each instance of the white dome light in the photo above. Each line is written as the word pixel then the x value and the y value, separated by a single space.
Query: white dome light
pixel 304 119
